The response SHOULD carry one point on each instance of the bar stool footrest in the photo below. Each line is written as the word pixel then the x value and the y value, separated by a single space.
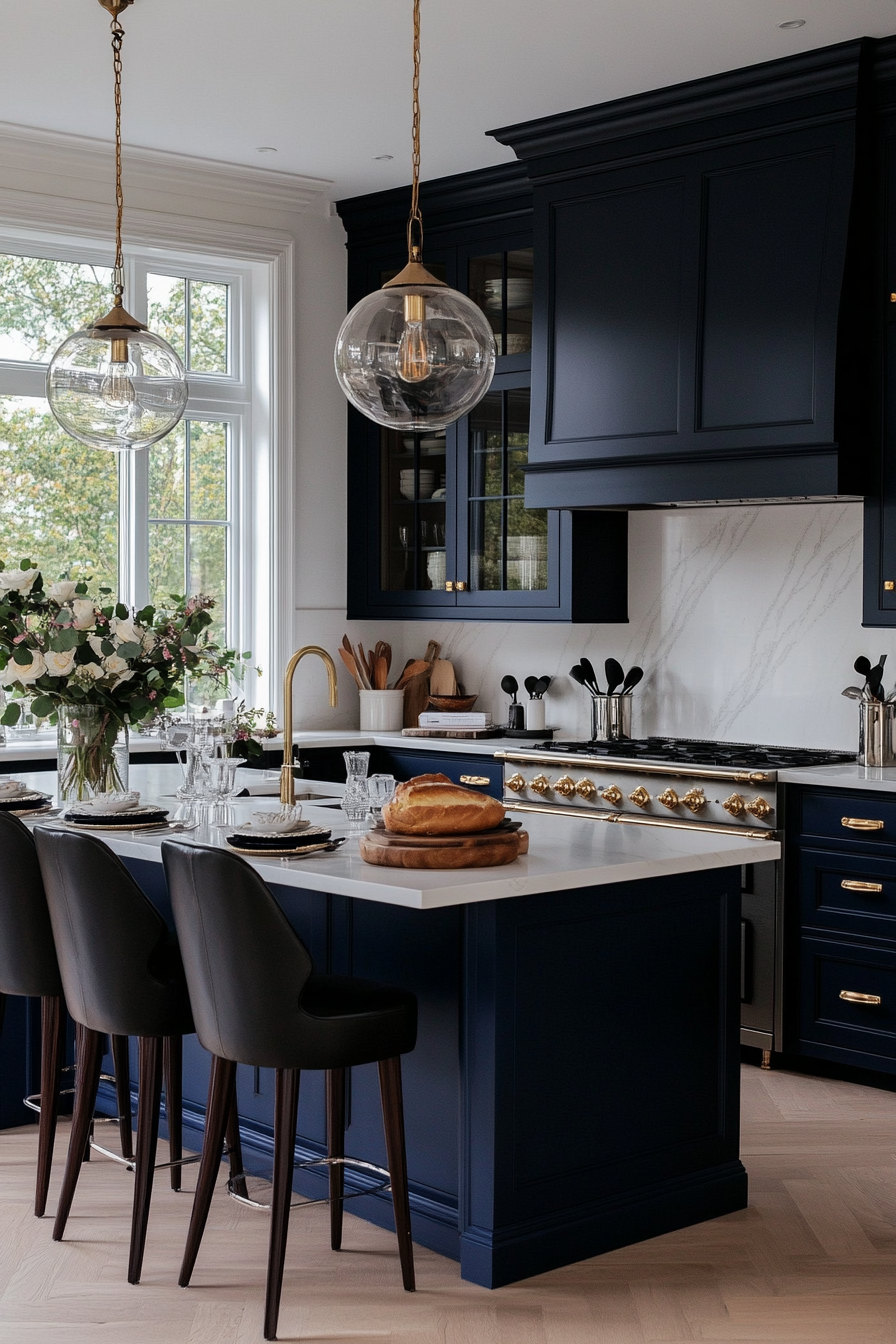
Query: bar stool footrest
pixel 354 1163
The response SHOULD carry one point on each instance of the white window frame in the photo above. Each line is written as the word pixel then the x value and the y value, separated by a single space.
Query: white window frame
pixel 254 398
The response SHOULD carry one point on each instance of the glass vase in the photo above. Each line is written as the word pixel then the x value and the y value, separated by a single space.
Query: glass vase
pixel 91 752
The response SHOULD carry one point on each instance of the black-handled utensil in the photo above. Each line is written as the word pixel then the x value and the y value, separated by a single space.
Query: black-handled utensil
pixel 862 665
pixel 578 675
pixel 591 681
pixel 615 674
pixel 510 686
pixel 531 685
pixel 541 686
pixel 632 677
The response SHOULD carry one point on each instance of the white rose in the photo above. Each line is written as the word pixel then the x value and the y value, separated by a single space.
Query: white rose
pixel 96 643
pixel 83 614
pixel 115 666
pixel 148 642
pixel 126 632
pixel 60 664
pixel 90 672
pixel 17 580
pixel 63 591
pixel 21 672
pixel 125 676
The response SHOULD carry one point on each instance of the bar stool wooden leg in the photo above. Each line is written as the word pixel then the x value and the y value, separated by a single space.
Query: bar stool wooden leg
pixel 122 1068
pixel 52 1047
pixel 174 1067
pixel 149 1101
pixel 87 1080
pixel 393 1124
pixel 286 1106
pixel 336 1148
pixel 220 1110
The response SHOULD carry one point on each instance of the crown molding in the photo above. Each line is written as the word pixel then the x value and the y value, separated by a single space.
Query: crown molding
pixel 30 149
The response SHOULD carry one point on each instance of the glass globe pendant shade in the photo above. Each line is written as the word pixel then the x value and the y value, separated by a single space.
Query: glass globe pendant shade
pixel 116 386
pixel 415 356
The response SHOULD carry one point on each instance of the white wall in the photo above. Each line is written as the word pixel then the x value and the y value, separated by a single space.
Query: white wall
pixel 746 621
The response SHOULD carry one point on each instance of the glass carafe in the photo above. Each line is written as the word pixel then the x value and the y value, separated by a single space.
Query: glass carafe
pixel 356 799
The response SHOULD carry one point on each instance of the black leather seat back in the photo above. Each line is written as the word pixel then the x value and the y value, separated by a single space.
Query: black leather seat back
pixel 28 962
pixel 120 965
pixel 245 964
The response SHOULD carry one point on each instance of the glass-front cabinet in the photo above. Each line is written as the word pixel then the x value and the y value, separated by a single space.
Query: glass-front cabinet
pixel 438 525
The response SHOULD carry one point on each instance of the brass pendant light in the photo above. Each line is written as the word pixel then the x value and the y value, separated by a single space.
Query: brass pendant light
pixel 115 385
pixel 415 355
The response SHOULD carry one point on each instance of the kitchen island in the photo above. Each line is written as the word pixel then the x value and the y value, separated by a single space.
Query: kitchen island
pixel 575 1085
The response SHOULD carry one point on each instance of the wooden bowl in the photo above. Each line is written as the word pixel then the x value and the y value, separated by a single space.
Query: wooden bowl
pixel 452 703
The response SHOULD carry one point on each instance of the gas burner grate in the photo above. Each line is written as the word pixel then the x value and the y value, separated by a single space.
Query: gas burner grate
pixel 689 751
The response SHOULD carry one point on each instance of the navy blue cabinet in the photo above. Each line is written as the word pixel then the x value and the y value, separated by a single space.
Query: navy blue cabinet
pixel 438 524
pixel 841 958
pixel 698 294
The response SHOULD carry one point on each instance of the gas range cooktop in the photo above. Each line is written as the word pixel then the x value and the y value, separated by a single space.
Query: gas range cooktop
pixel 688 751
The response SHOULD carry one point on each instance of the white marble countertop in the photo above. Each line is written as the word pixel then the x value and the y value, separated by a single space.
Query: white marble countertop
pixel 564 854
pixel 43 747
pixel 847 775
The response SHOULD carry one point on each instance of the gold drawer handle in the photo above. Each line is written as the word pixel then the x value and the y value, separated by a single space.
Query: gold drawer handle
pixel 475 779
pixel 861 824
pixel 853 996
pixel 847 885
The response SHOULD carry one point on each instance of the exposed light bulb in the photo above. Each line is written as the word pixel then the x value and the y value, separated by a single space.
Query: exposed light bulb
pixel 117 390
pixel 413 355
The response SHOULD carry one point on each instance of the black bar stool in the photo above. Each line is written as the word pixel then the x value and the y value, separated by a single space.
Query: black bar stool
pixel 121 969
pixel 28 967
pixel 257 1001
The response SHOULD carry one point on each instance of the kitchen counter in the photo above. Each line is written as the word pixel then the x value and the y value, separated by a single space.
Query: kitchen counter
pixel 575 1084
pixel 848 775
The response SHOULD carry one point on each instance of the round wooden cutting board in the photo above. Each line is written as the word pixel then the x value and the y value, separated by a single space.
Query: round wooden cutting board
pixel 488 849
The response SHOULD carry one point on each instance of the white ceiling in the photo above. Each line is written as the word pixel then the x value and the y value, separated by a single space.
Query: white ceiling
pixel 327 82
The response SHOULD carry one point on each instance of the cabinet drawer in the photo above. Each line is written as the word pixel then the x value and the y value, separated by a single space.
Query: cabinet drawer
pixel 848 893
pixel 460 769
pixel 872 817
pixel 858 1031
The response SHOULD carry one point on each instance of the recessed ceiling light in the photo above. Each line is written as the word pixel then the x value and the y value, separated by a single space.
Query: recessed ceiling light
pixel 266 149
pixel 382 158
pixel 793 23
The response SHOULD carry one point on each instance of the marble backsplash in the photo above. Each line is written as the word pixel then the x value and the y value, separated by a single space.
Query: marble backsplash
pixel 746 621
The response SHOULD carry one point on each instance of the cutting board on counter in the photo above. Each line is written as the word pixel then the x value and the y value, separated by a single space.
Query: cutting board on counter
pixel 486 849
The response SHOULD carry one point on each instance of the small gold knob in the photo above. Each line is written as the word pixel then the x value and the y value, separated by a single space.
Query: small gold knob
pixel 449 585
pixel 565 786
pixel 734 804
pixel 612 795
pixel 585 789
pixel 668 798
pixel 460 586
pixel 540 784
pixel 889 585
pixel 694 800
pixel 640 797
pixel 516 783
pixel 759 808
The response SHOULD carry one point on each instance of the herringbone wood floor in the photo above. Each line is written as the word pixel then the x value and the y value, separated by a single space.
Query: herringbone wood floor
pixel 811 1261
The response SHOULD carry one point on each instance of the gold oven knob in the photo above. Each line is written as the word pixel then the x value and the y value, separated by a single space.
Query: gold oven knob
pixel 565 786
pixel 694 800
pixel 540 784
pixel 516 783
pixel 612 795
pixel 734 804
pixel 640 797
pixel 759 808
pixel 669 798
pixel 585 789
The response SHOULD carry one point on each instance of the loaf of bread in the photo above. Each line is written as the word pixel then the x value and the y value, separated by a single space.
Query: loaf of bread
pixel 433 805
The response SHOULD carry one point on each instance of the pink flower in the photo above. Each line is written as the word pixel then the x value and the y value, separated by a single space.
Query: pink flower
pixel 166 652
pixel 152 695
pixel 18 639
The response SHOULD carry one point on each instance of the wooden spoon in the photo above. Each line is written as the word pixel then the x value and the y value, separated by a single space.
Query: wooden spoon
pixel 381 673
pixel 413 669
pixel 350 664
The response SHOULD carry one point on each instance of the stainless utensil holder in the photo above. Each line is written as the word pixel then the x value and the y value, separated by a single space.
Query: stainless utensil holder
pixel 877 733
pixel 611 717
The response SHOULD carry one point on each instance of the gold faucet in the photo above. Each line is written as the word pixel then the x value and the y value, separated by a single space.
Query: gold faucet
pixel 287 783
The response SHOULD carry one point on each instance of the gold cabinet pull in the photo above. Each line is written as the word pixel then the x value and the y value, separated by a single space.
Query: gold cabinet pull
pixel 475 779
pixel 460 586
pixel 449 585
pixel 861 824
pixel 848 885
pixel 853 996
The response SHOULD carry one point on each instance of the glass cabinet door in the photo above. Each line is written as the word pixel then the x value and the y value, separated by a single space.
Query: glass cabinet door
pixel 413 511
pixel 507 544
pixel 501 284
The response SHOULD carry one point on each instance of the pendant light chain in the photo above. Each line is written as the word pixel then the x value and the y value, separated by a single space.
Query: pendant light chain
pixel 415 221
pixel 118 269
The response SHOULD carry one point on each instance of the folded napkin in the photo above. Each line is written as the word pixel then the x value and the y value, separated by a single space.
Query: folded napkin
pixel 285 821
pixel 106 804
pixel 12 788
